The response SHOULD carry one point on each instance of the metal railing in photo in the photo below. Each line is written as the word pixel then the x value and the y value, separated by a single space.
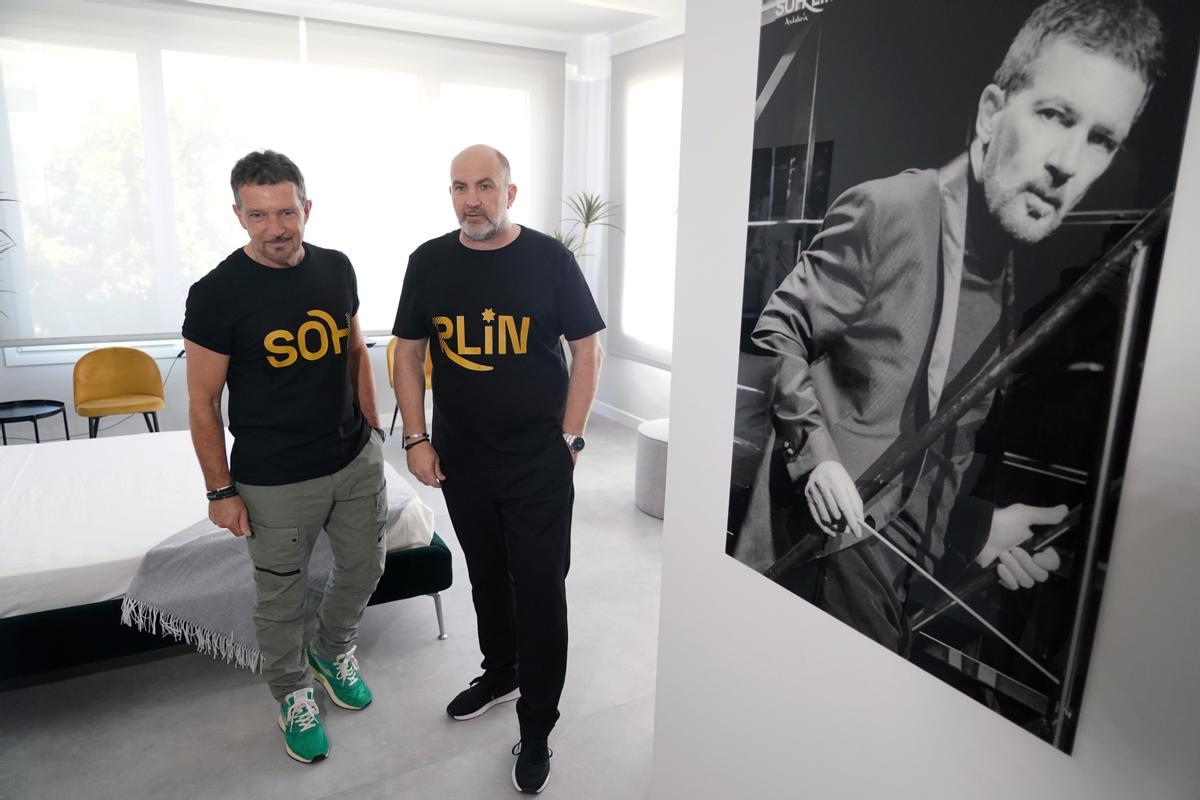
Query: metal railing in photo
pixel 1125 262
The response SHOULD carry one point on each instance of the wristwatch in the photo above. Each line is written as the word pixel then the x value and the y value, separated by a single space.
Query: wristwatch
pixel 574 443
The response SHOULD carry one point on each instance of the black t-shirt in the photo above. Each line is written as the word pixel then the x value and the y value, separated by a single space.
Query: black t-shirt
pixel 493 319
pixel 292 408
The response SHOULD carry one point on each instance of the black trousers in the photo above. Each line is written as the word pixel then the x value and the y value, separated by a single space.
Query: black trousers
pixel 514 526
pixel 864 586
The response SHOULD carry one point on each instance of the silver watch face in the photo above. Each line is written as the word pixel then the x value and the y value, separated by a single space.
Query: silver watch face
pixel 575 443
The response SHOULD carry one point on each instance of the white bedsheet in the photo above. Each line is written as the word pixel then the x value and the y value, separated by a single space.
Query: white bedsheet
pixel 76 517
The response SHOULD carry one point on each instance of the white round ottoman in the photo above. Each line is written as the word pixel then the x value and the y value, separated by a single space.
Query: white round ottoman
pixel 650 473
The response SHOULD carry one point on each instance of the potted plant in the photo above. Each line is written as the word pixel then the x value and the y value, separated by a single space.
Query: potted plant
pixel 587 209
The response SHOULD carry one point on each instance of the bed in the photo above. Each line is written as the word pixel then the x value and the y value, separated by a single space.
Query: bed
pixel 77 517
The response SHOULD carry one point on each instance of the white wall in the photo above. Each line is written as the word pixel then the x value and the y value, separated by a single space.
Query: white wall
pixel 632 392
pixel 761 695
pixel 53 382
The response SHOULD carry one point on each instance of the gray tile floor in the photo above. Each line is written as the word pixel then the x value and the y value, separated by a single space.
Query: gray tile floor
pixel 189 727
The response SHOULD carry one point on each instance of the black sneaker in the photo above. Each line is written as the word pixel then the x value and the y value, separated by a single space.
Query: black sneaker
pixel 481 695
pixel 531 773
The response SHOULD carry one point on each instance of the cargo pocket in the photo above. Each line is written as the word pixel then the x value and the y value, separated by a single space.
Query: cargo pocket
pixel 278 558
pixel 378 561
pixel 381 510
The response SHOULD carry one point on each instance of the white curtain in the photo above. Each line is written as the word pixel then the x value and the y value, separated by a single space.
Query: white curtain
pixel 122 121
pixel 647 91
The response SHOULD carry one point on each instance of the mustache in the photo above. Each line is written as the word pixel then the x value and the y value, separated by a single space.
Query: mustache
pixel 1045 193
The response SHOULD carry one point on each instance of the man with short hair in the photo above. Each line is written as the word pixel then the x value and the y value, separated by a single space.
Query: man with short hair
pixel 906 293
pixel 495 298
pixel 276 323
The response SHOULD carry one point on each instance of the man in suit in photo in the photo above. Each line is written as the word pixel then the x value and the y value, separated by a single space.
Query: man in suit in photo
pixel 905 294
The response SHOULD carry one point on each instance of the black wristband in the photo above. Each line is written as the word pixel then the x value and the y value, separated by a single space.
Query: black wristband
pixel 222 493
pixel 411 445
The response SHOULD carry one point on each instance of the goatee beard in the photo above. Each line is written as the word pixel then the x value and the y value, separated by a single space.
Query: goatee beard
pixel 489 233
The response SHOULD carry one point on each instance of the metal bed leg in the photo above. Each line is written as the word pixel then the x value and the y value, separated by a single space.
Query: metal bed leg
pixel 437 605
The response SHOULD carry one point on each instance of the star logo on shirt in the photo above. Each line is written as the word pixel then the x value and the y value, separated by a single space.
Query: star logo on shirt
pixel 489 315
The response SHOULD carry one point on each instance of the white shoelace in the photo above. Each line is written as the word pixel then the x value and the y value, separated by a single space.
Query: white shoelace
pixel 303 713
pixel 347 667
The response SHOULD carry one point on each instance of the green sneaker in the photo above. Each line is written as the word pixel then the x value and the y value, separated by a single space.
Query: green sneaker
pixel 341 679
pixel 303 733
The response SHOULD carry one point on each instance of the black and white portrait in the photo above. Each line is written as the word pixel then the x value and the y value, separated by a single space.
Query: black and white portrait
pixel 955 224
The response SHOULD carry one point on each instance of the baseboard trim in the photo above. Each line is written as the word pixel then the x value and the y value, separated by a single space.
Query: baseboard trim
pixel 616 415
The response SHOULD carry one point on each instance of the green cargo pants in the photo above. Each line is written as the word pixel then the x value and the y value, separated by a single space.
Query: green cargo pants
pixel 351 506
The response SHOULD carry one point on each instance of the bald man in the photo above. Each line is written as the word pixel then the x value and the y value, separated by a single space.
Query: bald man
pixel 497 299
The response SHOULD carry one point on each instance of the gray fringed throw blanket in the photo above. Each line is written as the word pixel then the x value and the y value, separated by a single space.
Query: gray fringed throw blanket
pixel 198 585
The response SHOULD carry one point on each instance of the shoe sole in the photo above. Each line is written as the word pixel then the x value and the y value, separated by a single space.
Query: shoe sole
pixel 504 698
pixel 538 790
pixel 332 695
pixel 293 754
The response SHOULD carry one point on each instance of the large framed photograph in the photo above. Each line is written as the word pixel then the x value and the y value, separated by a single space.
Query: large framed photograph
pixel 954 233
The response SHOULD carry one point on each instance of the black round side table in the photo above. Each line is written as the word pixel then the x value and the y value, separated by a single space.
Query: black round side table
pixel 30 411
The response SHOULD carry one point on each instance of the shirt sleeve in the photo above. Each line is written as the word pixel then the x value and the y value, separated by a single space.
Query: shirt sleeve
pixel 411 320
pixel 204 322
pixel 810 310
pixel 576 307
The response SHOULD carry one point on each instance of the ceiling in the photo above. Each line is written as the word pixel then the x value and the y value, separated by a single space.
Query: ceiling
pixel 563 16
pixel 487 19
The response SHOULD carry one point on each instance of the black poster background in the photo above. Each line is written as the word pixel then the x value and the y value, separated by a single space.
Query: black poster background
pixel 854 90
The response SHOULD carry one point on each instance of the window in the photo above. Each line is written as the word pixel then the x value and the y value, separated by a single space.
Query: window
pixel 77 142
pixel 498 115
pixel 355 152
pixel 120 126
pixel 647 98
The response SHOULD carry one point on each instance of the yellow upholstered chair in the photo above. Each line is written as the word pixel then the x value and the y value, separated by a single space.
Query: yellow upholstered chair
pixel 117 380
pixel 391 358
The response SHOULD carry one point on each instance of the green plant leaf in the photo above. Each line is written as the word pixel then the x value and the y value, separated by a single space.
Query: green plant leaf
pixel 590 209
pixel 568 240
